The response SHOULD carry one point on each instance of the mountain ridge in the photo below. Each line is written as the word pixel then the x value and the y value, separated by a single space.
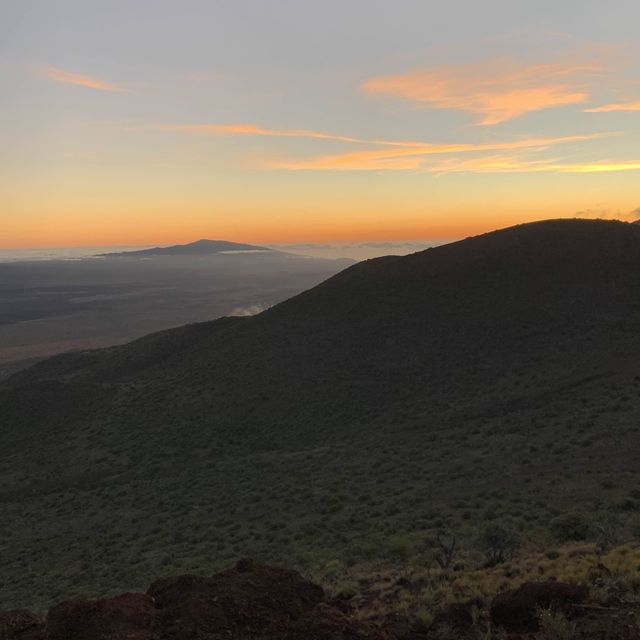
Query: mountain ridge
pixel 199 247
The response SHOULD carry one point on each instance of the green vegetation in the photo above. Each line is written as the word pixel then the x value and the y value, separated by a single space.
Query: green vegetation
pixel 499 544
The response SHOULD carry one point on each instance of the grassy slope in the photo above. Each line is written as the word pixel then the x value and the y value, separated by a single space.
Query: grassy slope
pixel 392 595
pixel 492 379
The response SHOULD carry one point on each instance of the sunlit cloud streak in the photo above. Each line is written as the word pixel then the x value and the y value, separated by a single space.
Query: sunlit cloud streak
pixel 247 129
pixel 515 164
pixel 372 160
pixel 256 130
pixel 395 154
pixel 69 77
pixel 408 155
pixel 412 145
pixel 412 157
pixel 615 107
pixel 495 90
pixel 597 167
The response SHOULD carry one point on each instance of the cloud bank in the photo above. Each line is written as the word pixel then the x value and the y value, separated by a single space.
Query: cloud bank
pixel 494 90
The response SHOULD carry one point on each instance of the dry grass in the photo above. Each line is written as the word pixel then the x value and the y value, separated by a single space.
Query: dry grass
pixel 378 590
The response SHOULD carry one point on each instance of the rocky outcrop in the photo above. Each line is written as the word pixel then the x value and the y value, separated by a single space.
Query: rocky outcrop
pixel 458 617
pixel 249 602
pixel 21 625
pixel 517 610
pixel 131 615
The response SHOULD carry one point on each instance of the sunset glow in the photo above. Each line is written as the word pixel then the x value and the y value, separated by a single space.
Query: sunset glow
pixel 258 124
pixel 68 77
pixel 495 90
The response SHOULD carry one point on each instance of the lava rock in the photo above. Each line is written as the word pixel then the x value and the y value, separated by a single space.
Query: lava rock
pixel 131 615
pixel 21 625
pixel 517 610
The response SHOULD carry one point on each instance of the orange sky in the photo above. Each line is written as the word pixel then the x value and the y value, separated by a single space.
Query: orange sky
pixel 239 123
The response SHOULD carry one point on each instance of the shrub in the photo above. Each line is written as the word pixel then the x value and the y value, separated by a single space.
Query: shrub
pixel 555 626
pixel 634 527
pixel 570 526
pixel 609 532
pixel 626 504
pixel 398 548
pixel 498 543
pixel 446 553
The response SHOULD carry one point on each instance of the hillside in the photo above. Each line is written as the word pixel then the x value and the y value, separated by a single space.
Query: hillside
pixel 494 379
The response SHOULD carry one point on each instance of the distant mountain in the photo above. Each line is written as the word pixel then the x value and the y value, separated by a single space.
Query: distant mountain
pixel 495 379
pixel 53 306
pixel 200 247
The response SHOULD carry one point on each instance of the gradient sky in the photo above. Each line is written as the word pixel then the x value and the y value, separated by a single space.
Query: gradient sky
pixel 142 122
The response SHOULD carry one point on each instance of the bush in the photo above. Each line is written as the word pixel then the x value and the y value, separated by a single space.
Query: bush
pixel 570 527
pixel 554 625
pixel 634 528
pixel 446 553
pixel 609 532
pixel 498 543
pixel 398 548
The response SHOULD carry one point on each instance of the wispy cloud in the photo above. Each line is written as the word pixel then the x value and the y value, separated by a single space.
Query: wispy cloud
pixel 372 160
pixel 390 154
pixel 609 214
pixel 64 76
pixel 413 146
pixel 519 164
pixel 251 310
pixel 256 130
pixel 247 129
pixel 413 155
pixel 495 90
pixel 614 107
pixel 484 164
pixel 597 167
pixel 510 163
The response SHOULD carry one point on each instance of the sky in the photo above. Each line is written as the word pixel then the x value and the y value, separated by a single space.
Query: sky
pixel 145 122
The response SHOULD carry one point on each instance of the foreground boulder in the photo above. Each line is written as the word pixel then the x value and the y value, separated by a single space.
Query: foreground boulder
pixel 132 616
pixel 249 602
pixel 458 617
pixel 21 625
pixel 517 610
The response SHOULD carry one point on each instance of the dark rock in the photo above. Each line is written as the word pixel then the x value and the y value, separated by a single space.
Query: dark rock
pixel 246 564
pixel 458 616
pixel 249 602
pixel 400 627
pixel 328 623
pixel 517 610
pixel 132 616
pixel 21 625
pixel 241 602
